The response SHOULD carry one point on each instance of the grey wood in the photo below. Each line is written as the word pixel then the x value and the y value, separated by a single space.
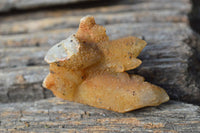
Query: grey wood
pixel 164 63
pixel 170 59
pixel 68 21
pixel 55 115
pixel 23 84
pixel 114 6
pixel 7 5
pixel 152 32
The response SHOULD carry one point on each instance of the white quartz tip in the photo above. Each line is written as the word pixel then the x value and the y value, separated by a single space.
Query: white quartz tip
pixel 63 50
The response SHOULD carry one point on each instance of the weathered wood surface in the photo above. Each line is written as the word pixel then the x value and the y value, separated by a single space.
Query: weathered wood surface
pixel 55 115
pixel 23 84
pixel 170 60
pixel 6 5
pixel 165 59
pixel 21 57
pixel 73 21
pixel 38 43
pixel 148 11
pixel 152 32
pixel 119 6
pixel 158 66
pixel 25 38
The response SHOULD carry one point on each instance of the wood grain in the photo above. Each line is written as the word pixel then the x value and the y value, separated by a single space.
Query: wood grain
pixel 55 115
pixel 6 5
pixel 50 23
pixel 160 66
pixel 152 32
pixel 23 84
pixel 168 59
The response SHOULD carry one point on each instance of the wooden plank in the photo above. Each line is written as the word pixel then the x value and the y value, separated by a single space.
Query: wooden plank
pixel 162 23
pixel 55 115
pixel 165 64
pixel 165 59
pixel 21 57
pixel 111 7
pixel 23 84
pixel 34 56
pixel 168 61
pixel 28 26
pixel 6 5
pixel 152 32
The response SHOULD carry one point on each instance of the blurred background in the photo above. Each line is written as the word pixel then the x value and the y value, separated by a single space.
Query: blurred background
pixel 28 28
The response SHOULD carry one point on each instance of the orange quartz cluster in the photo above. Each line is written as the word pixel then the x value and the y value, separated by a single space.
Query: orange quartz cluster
pixel 94 73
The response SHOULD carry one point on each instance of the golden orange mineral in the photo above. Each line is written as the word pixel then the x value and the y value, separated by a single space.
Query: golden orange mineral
pixel 89 68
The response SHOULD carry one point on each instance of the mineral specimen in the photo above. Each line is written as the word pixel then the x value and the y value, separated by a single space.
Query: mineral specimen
pixel 89 68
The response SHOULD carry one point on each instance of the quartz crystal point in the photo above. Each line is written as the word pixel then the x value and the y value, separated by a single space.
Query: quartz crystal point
pixel 89 68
